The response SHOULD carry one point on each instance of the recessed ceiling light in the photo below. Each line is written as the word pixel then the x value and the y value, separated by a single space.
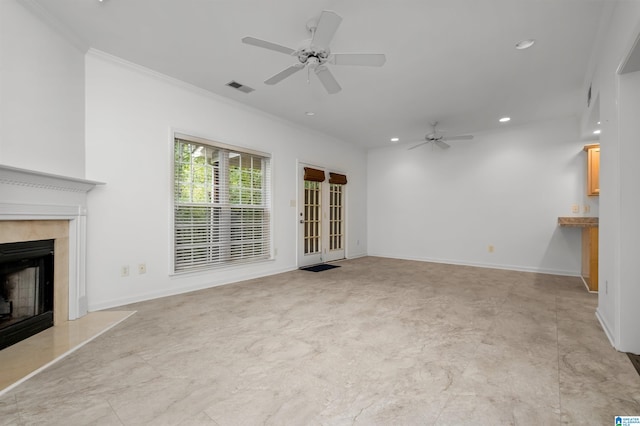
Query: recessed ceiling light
pixel 505 119
pixel 309 113
pixel 525 44
pixel 598 123
pixel 596 132
pixel 395 139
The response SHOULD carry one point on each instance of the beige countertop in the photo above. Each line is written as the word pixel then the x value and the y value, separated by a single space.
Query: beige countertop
pixel 578 222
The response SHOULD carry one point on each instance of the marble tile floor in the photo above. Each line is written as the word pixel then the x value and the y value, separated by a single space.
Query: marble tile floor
pixel 375 342
pixel 26 358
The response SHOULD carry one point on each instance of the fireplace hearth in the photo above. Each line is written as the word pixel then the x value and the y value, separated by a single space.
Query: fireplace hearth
pixel 26 289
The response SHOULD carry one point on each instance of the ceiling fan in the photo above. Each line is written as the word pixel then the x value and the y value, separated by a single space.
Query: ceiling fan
pixel 438 138
pixel 315 54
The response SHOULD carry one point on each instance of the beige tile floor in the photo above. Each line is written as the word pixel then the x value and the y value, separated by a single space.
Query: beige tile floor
pixel 20 361
pixel 377 341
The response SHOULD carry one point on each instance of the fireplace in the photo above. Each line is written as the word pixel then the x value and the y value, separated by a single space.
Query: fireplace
pixel 39 206
pixel 26 289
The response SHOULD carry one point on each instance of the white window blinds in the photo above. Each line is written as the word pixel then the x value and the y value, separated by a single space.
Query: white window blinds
pixel 221 205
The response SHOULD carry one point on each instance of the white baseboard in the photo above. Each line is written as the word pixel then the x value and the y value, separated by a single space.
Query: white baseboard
pixel 587 285
pixel 114 303
pixel 357 255
pixel 605 327
pixel 484 265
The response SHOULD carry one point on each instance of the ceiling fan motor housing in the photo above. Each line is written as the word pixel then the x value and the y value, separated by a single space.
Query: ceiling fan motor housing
pixel 305 53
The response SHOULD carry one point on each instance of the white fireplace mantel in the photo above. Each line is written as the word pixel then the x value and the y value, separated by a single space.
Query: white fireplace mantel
pixel 23 177
pixel 34 195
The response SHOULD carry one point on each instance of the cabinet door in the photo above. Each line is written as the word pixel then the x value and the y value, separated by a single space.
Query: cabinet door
pixel 590 257
pixel 593 172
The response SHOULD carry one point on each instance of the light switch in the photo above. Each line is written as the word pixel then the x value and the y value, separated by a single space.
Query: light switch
pixel 575 208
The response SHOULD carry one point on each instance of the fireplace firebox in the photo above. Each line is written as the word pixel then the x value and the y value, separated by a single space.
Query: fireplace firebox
pixel 26 289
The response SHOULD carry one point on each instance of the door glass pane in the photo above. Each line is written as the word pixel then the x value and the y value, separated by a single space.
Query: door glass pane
pixel 336 238
pixel 312 192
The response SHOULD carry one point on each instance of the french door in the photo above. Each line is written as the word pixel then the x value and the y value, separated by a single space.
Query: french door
pixel 321 217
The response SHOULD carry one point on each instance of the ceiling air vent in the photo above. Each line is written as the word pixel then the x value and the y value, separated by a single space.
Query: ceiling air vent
pixel 240 87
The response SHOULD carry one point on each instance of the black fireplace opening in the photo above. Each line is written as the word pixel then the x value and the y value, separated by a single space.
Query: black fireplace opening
pixel 26 290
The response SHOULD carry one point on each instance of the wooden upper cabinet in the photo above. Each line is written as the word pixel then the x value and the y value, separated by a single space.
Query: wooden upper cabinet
pixel 593 169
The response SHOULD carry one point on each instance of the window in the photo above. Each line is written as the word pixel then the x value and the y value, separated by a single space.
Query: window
pixel 221 205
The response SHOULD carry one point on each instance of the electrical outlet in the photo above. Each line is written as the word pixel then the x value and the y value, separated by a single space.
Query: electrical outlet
pixel 124 271
pixel 142 268
pixel 586 208
pixel 575 208
pixel 490 249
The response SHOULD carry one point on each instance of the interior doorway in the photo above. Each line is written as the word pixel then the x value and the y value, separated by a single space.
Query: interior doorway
pixel 321 214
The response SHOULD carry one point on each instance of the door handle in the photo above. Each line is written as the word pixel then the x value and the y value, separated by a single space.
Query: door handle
pixel 301 220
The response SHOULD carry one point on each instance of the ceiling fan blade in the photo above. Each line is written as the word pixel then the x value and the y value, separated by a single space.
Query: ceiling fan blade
pixel 284 74
pixel 328 80
pixel 457 138
pixel 442 145
pixel 327 26
pixel 268 45
pixel 362 59
pixel 416 146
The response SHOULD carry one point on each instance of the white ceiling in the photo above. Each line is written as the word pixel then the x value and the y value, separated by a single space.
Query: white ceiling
pixel 447 60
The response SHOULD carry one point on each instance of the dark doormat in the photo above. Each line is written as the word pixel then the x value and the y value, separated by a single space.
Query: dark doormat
pixel 635 360
pixel 320 267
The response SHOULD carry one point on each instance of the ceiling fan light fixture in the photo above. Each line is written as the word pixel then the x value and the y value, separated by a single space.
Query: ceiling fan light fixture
pixel 596 132
pixel 395 139
pixel 315 53
pixel 505 119
pixel 309 113
pixel 525 44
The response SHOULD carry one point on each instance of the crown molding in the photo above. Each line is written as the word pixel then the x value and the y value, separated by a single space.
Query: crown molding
pixel 175 82
pixel 54 23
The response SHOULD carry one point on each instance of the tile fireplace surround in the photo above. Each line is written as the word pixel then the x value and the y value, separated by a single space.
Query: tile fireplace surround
pixel 36 206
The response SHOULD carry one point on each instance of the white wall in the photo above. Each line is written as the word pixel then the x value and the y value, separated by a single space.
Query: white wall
pixel 629 108
pixel 130 115
pixel 459 202
pixel 41 95
pixel 619 174
pixel 505 188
